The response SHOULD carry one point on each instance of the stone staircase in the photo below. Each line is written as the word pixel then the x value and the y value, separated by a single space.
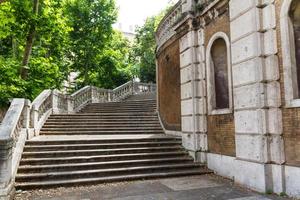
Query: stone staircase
pixel 105 142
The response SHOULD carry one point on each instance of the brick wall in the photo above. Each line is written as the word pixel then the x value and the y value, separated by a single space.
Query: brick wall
pixel 221 132
pixel 169 86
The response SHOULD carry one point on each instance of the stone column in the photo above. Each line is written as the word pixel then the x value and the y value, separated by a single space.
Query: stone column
pixel 258 120
pixel 6 186
pixel 193 95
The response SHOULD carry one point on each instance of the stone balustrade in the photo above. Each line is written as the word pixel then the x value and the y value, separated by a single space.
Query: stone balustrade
pixel 24 120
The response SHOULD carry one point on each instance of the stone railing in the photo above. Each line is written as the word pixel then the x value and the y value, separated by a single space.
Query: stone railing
pixel 165 29
pixel 13 132
pixel 24 120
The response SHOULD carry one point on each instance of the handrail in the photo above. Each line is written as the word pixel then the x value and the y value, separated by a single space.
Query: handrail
pixel 12 119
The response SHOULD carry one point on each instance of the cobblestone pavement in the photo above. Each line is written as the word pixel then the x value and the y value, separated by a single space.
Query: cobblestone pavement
pixel 207 187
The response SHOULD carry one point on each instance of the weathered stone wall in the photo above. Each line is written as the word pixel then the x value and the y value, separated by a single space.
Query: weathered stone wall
pixel 169 86
pixel 221 133
pixel 290 116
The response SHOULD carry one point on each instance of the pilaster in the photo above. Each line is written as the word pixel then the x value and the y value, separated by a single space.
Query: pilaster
pixel 258 120
pixel 193 95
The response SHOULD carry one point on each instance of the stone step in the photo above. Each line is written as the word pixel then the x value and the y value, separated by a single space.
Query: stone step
pixel 103 172
pixel 109 179
pixel 101 158
pixel 121 106
pixel 104 111
pixel 93 152
pixel 116 128
pixel 131 132
pixel 114 114
pixel 102 141
pixel 100 125
pixel 35 148
pixel 107 120
pixel 101 165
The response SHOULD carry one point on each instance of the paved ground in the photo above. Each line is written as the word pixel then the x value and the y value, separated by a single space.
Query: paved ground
pixel 208 187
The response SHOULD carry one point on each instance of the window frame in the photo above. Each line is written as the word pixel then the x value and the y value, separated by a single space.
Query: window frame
pixel 211 93
pixel 289 57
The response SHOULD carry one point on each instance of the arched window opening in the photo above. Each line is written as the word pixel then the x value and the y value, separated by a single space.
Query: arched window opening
pixel 294 14
pixel 219 63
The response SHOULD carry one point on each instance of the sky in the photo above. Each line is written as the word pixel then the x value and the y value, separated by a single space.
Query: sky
pixel 134 12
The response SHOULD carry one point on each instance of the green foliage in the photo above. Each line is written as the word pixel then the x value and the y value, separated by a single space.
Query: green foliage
pixel 112 67
pixel 143 53
pixel 92 28
pixel 71 35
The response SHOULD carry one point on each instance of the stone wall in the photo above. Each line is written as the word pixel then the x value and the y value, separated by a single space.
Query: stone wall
pixel 290 116
pixel 221 133
pixel 169 87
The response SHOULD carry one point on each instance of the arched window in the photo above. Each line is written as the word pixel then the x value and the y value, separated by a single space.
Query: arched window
pixel 290 36
pixel 219 74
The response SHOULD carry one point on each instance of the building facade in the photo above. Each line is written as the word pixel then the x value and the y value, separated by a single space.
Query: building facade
pixel 228 78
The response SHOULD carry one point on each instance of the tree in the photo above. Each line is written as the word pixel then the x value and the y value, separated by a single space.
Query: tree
pixel 92 29
pixel 26 39
pixel 143 52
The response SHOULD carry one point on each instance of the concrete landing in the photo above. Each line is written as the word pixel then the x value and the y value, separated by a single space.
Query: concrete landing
pixel 207 187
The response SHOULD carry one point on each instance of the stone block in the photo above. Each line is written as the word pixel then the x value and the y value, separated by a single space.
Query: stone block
pixel 187 107
pixel 251 174
pixel 200 106
pixel 269 17
pixel 273 94
pixel 249 96
pixel 250 121
pixel 238 27
pixel 186 58
pixel 201 53
pixel 247 48
pixel 248 72
pixel 221 165
pixel 292 177
pixel 276 144
pixel 251 147
pixel 271 68
pixel 200 88
pixel 274 121
pixel 270 43
pixel 200 71
pixel 191 142
pixel 187 124
pixel 237 8
pixel 277 178
pixel 201 37
pixel 186 74
pixel 187 41
pixel 186 90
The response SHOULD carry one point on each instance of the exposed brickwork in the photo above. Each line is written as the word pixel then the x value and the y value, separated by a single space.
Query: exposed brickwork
pixel 221 134
pixel 169 86
pixel 290 116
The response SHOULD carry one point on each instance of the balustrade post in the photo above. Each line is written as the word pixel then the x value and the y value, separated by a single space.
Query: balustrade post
pixel 6 185
pixel 34 119
pixel 26 119
pixel 55 109
pixel 70 106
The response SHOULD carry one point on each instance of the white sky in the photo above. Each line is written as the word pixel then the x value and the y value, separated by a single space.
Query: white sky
pixel 134 12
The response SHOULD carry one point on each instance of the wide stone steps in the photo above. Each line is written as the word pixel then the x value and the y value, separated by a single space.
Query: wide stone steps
pixel 107 179
pixel 104 142
pixel 117 132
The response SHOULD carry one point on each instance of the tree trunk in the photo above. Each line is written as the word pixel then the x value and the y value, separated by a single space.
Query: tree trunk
pixel 29 43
